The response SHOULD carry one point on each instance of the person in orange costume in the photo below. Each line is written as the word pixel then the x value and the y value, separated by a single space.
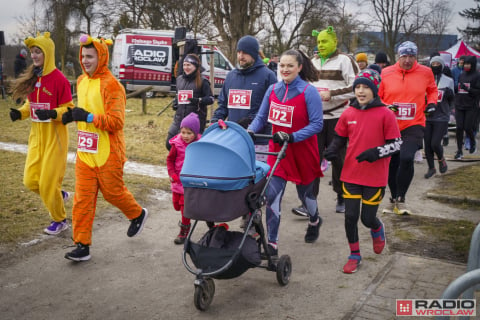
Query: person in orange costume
pixel 47 96
pixel 100 147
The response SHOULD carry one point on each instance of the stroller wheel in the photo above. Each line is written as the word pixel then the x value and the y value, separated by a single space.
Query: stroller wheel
pixel 204 293
pixel 284 270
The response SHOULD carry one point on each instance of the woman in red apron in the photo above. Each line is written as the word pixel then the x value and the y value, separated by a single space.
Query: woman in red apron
pixel 294 108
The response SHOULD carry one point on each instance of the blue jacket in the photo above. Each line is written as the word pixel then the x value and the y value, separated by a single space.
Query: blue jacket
pixel 285 92
pixel 256 78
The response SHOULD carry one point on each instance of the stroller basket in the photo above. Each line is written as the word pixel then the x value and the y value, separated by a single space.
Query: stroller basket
pixel 227 261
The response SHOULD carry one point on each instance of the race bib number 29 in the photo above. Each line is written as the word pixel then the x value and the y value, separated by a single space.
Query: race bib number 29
pixel 280 115
pixel 87 142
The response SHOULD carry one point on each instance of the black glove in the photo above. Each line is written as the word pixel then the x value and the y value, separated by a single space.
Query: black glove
pixel 330 154
pixel 15 114
pixel 194 100
pixel 393 107
pixel 46 114
pixel 281 137
pixel 79 114
pixel 369 155
pixel 67 116
pixel 430 108
pixel 244 122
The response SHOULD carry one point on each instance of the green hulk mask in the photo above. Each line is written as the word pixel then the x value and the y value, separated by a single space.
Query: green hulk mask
pixel 326 42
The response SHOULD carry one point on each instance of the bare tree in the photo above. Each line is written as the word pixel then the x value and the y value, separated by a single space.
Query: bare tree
pixel 234 19
pixel 394 17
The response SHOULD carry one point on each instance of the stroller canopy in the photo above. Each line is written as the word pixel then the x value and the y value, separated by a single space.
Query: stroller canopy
pixel 223 159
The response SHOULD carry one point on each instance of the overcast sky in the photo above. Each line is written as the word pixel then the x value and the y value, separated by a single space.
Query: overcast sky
pixel 16 8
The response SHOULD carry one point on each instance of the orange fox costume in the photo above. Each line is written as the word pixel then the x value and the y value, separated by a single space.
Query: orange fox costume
pixel 48 141
pixel 100 146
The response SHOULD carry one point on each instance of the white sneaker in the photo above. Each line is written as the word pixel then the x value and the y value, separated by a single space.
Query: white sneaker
pixel 418 156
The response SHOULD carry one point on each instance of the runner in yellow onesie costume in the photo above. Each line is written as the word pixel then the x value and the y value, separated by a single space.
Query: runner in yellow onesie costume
pixel 100 147
pixel 47 95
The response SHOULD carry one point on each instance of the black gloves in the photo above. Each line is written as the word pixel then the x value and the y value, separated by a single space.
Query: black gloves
pixel 79 114
pixel 244 122
pixel 330 154
pixel 46 114
pixel 194 100
pixel 281 137
pixel 463 86
pixel 369 155
pixel 15 114
pixel 67 116
pixel 430 108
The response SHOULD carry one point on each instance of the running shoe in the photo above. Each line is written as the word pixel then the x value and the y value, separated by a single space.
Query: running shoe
pixel 352 264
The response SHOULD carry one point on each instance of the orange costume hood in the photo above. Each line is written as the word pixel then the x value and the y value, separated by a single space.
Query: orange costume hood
pixel 101 45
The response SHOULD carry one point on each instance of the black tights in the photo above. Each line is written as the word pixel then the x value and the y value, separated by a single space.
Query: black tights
pixel 400 173
pixel 434 132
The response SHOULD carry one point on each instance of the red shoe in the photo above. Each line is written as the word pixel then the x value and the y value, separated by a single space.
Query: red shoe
pixel 352 264
pixel 378 239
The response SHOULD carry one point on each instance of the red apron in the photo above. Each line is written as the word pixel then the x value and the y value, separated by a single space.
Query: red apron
pixel 301 164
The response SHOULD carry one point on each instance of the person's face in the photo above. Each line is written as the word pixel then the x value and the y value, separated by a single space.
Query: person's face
pixel 406 62
pixel 244 59
pixel 37 56
pixel 89 60
pixel 187 135
pixel 467 66
pixel 362 64
pixel 289 68
pixel 363 93
pixel 326 44
pixel 188 68
pixel 381 64
pixel 461 62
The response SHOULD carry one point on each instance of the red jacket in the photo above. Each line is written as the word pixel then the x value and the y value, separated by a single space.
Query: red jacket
pixel 411 90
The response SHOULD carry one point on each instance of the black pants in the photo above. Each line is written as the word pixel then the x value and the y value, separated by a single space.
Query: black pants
pixel 400 171
pixel 370 198
pixel 324 138
pixel 465 121
pixel 434 132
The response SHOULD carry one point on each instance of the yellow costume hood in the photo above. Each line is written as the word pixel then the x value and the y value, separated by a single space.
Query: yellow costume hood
pixel 45 43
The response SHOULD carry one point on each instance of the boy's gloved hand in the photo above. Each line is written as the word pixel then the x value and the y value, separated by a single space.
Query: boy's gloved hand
pixel 369 155
pixel 15 114
pixel 281 137
pixel 79 114
pixel 330 154
pixel 67 116
pixel 46 114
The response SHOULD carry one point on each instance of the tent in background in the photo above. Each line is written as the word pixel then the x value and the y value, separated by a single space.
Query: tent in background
pixel 462 49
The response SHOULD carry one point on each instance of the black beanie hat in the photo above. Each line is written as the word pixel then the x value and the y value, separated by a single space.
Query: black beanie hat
pixel 249 45
pixel 381 57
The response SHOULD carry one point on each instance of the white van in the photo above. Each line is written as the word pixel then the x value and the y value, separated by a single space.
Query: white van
pixel 143 58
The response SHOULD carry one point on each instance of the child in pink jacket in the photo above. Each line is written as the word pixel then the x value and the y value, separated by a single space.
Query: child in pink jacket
pixel 189 132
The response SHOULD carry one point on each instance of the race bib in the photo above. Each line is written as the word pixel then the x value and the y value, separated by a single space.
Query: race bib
pixel 87 142
pixel 280 115
pixel 460 90
pixel 406 111
pixel 239 99
pixel 184 95
pixel 440 95
pixel 321 89
pixel 38 106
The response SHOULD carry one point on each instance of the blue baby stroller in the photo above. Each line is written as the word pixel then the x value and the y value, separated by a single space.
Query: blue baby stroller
pixel 222 181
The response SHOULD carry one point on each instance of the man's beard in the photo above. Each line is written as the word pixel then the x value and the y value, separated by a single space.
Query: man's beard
pixel 246 65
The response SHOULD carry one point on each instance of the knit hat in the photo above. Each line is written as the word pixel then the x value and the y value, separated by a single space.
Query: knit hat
pixel 23 53
pixel 437 59
pixel 190 59
pixel 381 57
pixel 249 45
pixel 368 77
pixel 191 122
pixel 375 67
pixel 361 57
pixel 407 48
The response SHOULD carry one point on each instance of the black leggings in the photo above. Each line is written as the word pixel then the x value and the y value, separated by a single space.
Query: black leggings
pixel 465 121
pixel 434 132
pixel 370 198
pixel 400 173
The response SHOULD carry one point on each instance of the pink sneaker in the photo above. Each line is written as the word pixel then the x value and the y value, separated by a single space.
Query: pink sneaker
pixel 352 264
